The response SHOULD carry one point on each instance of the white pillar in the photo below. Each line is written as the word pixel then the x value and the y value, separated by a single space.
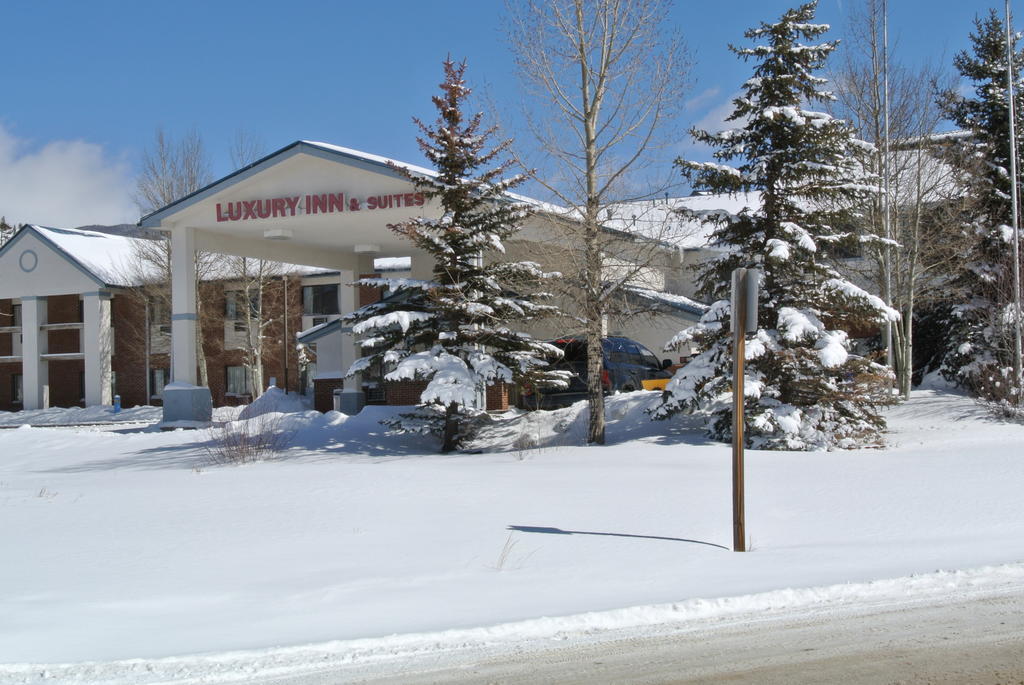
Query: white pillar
pixel 96 345
pixel 352 398
pixel 183 306
pixel 35 372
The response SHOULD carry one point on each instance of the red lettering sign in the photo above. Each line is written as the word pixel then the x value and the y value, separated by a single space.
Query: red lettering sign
pixel 321 203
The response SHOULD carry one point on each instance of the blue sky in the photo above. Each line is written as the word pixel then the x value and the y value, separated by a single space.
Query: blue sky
pixel 85 84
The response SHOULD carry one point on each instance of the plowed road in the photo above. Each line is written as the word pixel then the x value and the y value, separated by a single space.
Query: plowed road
pixel 964 640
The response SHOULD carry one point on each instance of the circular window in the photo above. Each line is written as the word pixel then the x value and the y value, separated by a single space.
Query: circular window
pixel 28 261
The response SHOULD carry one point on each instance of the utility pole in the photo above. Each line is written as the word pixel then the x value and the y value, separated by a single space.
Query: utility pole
pixel 284 335
pixel 745 284
pixel 887 219
pixel 1017 376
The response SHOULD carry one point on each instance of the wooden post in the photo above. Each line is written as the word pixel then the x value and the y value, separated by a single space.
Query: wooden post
pixel 739 335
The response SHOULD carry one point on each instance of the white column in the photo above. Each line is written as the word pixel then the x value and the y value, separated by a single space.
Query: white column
pixel 35 372
pixel 96 344
pixel 348 301
pixel 183 306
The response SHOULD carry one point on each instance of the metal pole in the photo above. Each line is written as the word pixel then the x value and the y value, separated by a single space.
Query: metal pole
pixel 284 335
pixel 739 337
pixel 1013 201
pixel 145 351
pixel 887 260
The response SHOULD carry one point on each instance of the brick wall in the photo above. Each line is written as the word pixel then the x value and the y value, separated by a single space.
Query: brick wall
pixel 408 392
pixel 323 393
pixel 404 392
pixel 6 372
pixel 497 397
pixel 63 309
pixel 128 361
pixel 66 383
pixel 367 293
pixel 128 319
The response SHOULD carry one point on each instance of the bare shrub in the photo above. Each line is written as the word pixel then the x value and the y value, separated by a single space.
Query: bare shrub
pixel 508 559
pixel 260 438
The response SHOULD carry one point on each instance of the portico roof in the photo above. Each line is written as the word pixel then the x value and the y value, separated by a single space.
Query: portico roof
pixel 364 160
pixel 309 202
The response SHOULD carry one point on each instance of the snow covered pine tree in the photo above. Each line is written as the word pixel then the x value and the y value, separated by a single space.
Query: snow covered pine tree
pixel 980 345
pixel 455 330
pixel 804 390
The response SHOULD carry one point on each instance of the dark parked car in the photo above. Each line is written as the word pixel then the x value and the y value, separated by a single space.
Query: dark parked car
pixel 627 364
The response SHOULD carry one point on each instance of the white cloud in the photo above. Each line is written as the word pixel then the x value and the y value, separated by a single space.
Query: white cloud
pixel 65 183
pixel 698 101
pixel 714 120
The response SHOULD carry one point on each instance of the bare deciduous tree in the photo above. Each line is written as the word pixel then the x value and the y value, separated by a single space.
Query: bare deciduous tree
pixel 6 230
pixel 602 80
pixel 910 250
pixel 251 277
pixel 171 170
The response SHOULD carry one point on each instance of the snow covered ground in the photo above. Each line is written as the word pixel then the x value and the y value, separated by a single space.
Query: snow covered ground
pixel 125 543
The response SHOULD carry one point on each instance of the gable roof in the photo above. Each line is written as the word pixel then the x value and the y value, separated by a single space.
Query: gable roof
pixel 661 220
pixel 101 257
pixel 363 160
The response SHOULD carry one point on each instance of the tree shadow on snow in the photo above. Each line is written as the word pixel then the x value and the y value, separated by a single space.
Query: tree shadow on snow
pixel 325 439
pixel 183 456
pixel 548 530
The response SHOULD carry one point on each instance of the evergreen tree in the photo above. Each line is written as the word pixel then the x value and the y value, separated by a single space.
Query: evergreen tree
pixel 980 344
pixel 456 330
pixel 804 390
pixel 6 230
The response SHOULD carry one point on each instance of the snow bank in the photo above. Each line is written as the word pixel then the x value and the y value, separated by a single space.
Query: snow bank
pixel 127 544
pixel 310 660
pixel 275 400
pixel 78 416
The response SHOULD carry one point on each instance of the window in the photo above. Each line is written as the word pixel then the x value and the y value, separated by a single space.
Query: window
pixel 234 308
pixel 17 391
pixel 237 380
pixel 15 314
pixel 320 299
pixel 623 352
pixel 157 381
pixel 648 358
pixel 160 315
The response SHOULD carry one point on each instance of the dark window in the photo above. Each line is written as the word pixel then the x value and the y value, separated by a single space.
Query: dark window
pixel 17 392
pixel 158 379
pixel 648 358
pixel 15 314
pixel 237 380
pixel 160 315
pixel 81 311
pixel 320 299
pixel 234 304
pixel 623 352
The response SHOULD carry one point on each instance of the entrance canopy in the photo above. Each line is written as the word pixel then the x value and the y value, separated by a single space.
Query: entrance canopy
pixel 308 203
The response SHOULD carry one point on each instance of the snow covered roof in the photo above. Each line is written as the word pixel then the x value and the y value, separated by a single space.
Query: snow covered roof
pixel 110 257
pixel 311 335
pixel 311 146
pixel 368 157
pixel 104 255
pixel 660 220
pixel 670 300
pixel 392 264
